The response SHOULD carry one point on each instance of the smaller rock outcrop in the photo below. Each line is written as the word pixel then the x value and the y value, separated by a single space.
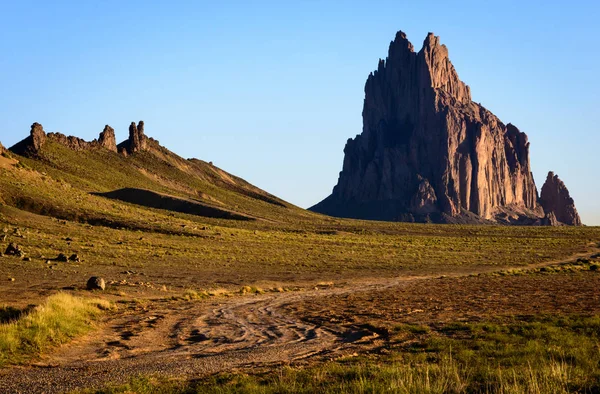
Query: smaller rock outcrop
pixel 137 139
pixel 32 144
pixel 74 143
pixel 14 250
pixel 38 136
pixel 96 283
pixel 557 202
pixel 424 200
pixel 550 220
pixel 62 258
pixel 107 139
pixel 74 258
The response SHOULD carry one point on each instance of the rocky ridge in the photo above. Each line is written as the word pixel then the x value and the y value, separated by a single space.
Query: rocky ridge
pixel 37 138
pixel 427 152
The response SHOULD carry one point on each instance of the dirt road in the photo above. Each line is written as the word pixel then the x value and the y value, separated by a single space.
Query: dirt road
pixel 184 339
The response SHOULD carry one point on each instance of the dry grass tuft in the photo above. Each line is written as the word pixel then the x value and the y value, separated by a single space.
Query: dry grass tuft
pixel 56 321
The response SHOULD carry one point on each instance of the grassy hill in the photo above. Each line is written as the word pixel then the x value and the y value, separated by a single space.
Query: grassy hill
pixel 82 185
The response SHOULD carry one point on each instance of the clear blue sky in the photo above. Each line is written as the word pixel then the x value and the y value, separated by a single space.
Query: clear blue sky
pixel 271 91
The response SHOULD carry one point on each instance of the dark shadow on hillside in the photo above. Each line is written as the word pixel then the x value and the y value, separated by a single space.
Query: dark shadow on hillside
pixel 44 208
pixel 258 196
pixel 150 199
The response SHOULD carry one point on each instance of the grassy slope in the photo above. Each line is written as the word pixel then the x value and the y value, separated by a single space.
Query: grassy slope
pixel 100 170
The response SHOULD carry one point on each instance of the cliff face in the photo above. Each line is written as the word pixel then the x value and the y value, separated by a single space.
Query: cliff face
pixel 428 152
pixel 557 202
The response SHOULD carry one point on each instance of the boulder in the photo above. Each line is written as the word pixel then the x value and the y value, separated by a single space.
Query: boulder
pixel 14 250
pixel 62 258
pixel 74 258
pixel 96 283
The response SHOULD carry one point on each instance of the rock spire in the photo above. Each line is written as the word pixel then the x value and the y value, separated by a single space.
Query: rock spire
pixel 107 139
pixel 137 139
pixel 557 202
pixel 33 143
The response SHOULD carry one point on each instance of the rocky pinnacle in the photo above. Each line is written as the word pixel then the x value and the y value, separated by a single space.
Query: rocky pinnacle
pixel 557 201
pixel 428 152
pixel 107 138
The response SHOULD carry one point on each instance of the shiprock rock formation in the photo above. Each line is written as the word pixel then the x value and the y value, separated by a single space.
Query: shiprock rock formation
pixel 427 152
pixel 557 202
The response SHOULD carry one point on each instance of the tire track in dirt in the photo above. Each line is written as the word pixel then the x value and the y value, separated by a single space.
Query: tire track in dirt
pixel 194 340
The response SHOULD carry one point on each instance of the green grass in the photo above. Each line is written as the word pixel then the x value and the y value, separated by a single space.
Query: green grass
pixel 56 321
pixel 191 294
pixel 580 265
pixel 412 328
pixel 541 355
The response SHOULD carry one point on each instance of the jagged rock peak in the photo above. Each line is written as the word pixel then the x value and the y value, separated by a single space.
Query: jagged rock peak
pixel 428 152
pixel 33 143
pixel 556 200
pixel 401 43
pixel 107 139
pixel 441 71
pixel 38 136
pixel 137 139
